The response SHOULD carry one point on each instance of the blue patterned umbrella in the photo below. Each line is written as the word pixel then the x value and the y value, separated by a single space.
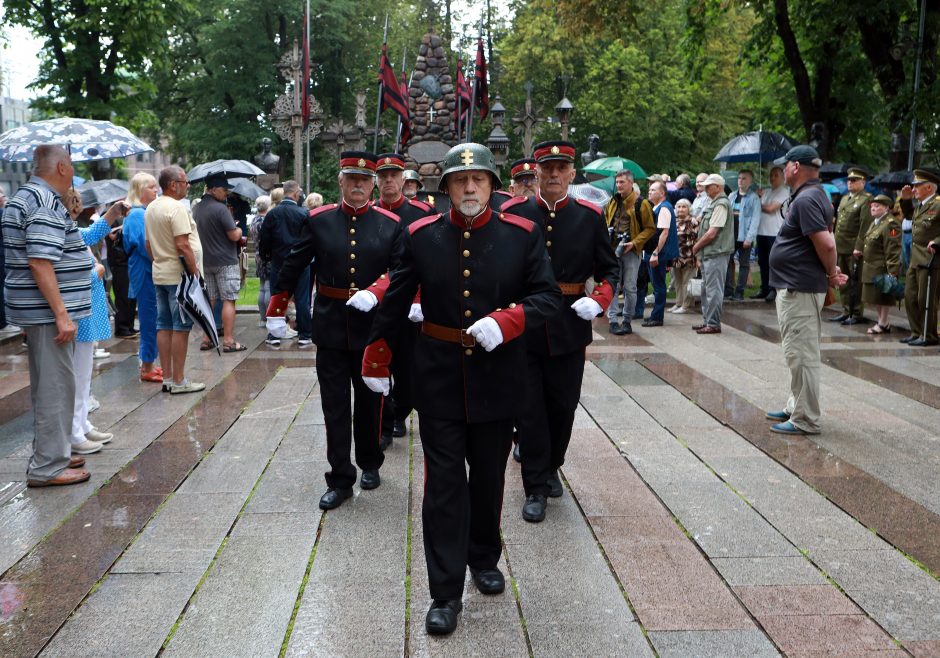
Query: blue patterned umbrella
pixel 86 140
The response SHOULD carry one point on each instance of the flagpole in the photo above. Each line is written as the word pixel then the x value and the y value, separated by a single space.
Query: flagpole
pixel 306 86
pixel 378 109
pixel 459 121
pixel 473 96
pixel 404 57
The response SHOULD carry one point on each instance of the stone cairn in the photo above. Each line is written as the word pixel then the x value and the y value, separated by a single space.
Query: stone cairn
pixel 437 124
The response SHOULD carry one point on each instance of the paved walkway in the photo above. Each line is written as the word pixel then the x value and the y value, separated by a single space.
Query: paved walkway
pixel 686 528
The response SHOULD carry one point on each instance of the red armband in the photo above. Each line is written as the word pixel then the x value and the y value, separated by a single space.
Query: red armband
pixel 376 359
pixel 511 321
pixel 603 294
pixel 277 307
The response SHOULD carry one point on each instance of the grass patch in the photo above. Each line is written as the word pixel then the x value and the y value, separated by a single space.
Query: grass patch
pixel 248 296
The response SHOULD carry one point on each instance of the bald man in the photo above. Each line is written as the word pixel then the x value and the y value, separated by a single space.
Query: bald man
pixel 47 290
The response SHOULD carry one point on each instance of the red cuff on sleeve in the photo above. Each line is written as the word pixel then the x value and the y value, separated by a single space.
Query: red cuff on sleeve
pixel 417 299
pixel 603 294
pixel 376 359
pixel 277 307
pixel 380 286
pixel 511 321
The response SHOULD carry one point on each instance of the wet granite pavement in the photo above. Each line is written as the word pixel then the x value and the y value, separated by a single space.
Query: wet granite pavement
pixel 686 528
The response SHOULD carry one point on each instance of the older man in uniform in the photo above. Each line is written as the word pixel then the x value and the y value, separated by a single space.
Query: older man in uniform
pixel 578 245
pixel 485 279
pixel 389 170
pixel 411 184
pixel 852 222
pixel 524 181
pixel 919 299
pixel 352 245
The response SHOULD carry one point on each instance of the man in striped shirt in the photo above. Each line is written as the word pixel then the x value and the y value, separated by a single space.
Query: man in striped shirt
pixel 47 289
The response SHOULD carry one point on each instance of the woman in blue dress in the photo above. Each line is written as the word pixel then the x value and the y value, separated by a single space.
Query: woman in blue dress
pixel 143 189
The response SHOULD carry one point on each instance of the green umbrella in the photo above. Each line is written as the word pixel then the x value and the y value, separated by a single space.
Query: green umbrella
pixel 606 184
pixel 608 167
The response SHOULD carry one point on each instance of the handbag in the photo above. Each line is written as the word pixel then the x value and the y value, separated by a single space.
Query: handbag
pixel 694 287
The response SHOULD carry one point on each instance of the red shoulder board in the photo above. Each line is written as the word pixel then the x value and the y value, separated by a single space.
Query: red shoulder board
pixel 515 201
pixel 322 209
pixel 421 223
pixel 421 205
pixel 516 220
pixel 387 213
pixel 589 205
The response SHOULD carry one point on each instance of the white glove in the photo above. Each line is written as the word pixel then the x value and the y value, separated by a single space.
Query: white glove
pixel 378 384
pixel 277 326
pixel 416 314
pixel 587 308
pixel 363 301
pixel 487 333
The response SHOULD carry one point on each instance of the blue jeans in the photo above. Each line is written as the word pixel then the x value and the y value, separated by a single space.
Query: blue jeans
pixel 642 286
pixel 907 240
pixel 301 301
pixel 658 279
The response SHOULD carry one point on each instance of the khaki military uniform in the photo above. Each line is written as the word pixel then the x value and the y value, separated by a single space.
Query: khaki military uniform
pixel 882 255
pixel 852 222
pixel 926 220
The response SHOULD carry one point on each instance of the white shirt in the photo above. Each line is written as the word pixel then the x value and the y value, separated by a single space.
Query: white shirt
pixel 770 222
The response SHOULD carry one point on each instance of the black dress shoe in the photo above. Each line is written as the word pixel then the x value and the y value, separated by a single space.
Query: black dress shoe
pixel 909 339
pixel 533 509
pixel 370 479
pixel 399 428
pixel 614 326
pixel 515 453
pixel 652 323
pixel 385 442
pixel 442 617
pixel 771 296
pixel 920 342
pixel 760 294
pixel 625 329
pixel 333 498
pixel 555 490
pixel 839 318
pixel 488 581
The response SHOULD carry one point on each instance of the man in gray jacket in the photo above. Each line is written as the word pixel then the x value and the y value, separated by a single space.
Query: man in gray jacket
pixel 745 207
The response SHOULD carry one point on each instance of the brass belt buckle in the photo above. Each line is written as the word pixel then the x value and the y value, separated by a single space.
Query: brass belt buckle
pixel 351 292
pixel 464 337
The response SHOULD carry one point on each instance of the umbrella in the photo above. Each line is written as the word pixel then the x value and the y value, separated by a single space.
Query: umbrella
pixel 86 140
pixel 591 193
pixel 893 180
pixel 101 192
pixel 194 301
pixel 831 190
pixel 757 146
pixel 609 166
pixel 227 168
pixel 244 187
pixel 605 184
pixel 832 170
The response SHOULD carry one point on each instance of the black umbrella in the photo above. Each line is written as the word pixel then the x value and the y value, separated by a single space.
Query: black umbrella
pixel 194 301
pixel 102 192
pixel 245 188
pixel 227 168
pixel 832 170
pixel 893 180
pixel 758 146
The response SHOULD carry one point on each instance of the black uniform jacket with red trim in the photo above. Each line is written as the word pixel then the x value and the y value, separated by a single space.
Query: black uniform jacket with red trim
pixel 578 245
pixel 348 248
pixel 498 268
pixel 408 210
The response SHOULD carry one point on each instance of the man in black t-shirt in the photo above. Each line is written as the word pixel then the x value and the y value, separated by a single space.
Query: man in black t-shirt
pixel 802 267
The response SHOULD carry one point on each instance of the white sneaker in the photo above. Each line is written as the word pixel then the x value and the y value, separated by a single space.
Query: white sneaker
pixel 86 447
pixel 99 437
pixel 679 310
pixel 11 328
pixel 101 353
pixel 304 342
pixel 290 333
pixel 93 404
pixel 186 386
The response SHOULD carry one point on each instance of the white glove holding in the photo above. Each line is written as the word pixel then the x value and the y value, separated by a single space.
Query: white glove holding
pixel 363 301
pixel 416 314
pixel 378 384
pixel 587 308
pixel 277 326
pixel 487 333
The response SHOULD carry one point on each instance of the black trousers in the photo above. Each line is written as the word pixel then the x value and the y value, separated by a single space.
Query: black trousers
pixel 401 369
pixel 124 306
pixel 554 387
pixel 764 244
pixel 335 370
pixel 461 513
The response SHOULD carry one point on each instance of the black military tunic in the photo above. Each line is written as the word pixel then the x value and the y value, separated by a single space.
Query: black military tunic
pixel 351 249
pixel 578 245
pixel 466 397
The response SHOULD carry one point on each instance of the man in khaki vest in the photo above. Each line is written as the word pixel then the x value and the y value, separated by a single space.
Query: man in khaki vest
pixel 713 249
pixel 920 300
pixel 852 222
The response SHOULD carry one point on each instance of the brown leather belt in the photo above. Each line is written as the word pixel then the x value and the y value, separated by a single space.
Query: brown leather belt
pixel 571 288
pixel 336 293
pixel 448 334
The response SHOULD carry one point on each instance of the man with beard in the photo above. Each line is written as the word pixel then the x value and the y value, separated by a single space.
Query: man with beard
pixel 390 170
pixel 485 278
pixel 578 244
pixel 524 181
pixel 351 245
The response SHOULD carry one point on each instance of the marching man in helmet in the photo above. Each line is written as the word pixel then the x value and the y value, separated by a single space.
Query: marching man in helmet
pixel 485 278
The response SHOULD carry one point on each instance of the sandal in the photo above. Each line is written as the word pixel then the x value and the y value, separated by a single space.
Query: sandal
pixel 152 376
pixel 205 347
pixel 879 329
pixel 235 347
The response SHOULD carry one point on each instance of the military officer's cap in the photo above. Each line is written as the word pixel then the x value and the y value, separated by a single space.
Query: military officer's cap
pixel 555 150
pixel 411 174
pixel 884 200
pixel 926 176
pixel 469 157
pixel 390 161
pixel 856 173
pixel 803 153
pixel 357 162
pixel 523 167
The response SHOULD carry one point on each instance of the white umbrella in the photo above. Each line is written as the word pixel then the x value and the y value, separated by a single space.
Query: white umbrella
pixel 194 302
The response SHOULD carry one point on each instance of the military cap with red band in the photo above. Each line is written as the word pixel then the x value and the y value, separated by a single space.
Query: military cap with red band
pixel 555 150
pixel 523 167
pixel 357 162
pixel 390 161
